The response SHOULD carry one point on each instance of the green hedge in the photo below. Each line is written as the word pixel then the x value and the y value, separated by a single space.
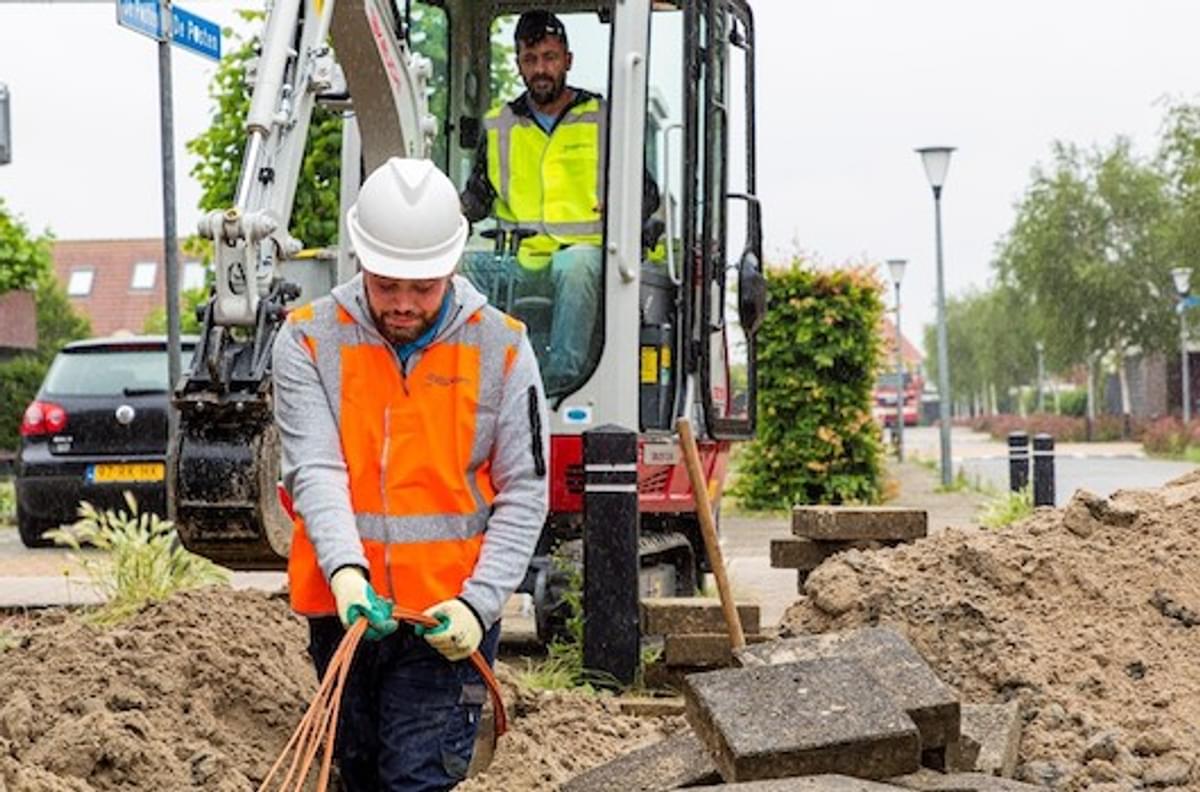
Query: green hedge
pixel 818 353
pixel 20 379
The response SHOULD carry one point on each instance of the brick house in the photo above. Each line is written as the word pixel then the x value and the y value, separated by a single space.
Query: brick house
pixel 18 328
pixel 117 283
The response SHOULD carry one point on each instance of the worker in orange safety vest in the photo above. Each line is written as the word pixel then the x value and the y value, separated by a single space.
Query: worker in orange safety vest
pixel 411 417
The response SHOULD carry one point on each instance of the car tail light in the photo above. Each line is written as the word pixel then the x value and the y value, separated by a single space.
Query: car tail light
pixel 43 418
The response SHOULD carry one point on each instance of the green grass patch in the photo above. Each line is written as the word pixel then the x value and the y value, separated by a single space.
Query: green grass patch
pixel 8 503
pixel 1006 508
pixel 141 559
pixel 964 483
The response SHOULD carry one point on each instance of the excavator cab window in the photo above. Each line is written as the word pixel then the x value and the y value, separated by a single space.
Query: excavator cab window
pixel 540 269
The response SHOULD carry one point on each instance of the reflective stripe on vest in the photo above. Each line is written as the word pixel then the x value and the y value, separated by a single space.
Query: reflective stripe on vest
pixel 551 183
pixel 416 448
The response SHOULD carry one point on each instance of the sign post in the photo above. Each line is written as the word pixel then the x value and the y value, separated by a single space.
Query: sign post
pixel 166 25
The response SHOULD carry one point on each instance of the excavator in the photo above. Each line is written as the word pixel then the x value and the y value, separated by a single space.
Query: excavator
pixel 675 333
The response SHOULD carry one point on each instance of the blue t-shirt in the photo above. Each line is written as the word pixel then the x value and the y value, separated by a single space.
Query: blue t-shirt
pixel 544 120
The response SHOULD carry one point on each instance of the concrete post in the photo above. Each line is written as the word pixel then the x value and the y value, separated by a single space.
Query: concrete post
pixel 1018 461
pixel 1043 470
pixel 611 634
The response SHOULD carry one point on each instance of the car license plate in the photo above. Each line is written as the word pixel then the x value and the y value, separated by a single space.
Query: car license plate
pixel 144 471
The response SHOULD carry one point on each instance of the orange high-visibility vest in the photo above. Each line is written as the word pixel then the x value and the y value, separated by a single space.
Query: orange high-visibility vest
pixel 417 450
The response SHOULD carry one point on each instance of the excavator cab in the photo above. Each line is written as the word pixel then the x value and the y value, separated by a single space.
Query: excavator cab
pixel 679 290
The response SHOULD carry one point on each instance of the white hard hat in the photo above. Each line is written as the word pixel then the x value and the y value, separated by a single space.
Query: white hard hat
pixel 407 222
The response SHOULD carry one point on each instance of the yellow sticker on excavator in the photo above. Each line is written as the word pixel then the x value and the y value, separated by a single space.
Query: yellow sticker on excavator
pixel 649 365
pixel 665 354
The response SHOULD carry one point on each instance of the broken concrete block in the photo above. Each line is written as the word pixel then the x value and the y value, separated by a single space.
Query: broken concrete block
pixel 794 552
pixel 859 523
pixel 817 783
pixel 692 615
pixel 991 738
pixel 806 718
pixel 675 762
pixel 891 660
pixel 704 650
pixel 651 706
pixel 932 781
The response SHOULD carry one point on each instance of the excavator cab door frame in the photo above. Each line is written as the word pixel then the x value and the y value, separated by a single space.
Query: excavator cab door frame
pixel 723 30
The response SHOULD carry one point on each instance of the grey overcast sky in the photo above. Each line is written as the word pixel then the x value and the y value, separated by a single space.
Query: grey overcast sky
pixel 846 90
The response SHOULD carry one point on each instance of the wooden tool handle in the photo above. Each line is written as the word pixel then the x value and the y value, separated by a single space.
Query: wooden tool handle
pixel 691 456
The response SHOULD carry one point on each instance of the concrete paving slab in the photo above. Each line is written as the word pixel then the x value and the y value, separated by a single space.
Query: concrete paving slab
pixel 693 615
pixel 891 660
pixel 703 650
pixel 931 781
pixel 805 718
pixel 818 783
pixel 993 733
pixel 678 761
pixel 859 523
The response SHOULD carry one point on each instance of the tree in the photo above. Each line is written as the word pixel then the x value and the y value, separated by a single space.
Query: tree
pixel 25 262
pixel 23 258
pixel 1090 253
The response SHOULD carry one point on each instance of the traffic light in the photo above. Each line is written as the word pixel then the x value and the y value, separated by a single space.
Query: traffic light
pixel 5 127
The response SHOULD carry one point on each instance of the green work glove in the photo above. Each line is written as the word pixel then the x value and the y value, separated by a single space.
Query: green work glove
pixel 357 599
pixel 459 632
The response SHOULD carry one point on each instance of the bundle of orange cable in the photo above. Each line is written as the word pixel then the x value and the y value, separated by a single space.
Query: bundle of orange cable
pixel 319 725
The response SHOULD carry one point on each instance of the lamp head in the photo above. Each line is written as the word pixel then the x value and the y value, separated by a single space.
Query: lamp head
pixel 937 161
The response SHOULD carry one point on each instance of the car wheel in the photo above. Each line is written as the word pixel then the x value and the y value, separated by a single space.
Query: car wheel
pixel 31 530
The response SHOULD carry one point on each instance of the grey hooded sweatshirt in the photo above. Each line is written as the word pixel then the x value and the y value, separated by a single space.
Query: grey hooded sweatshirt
pixel 315 470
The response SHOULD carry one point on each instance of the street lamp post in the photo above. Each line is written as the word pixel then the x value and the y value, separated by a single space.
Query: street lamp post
pixel 1041 374
pixel 896 268
pixel 1183 281
pixel 937 161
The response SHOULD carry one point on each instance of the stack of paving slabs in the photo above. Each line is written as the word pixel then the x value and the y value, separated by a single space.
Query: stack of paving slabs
pixel 695 636
pixel 856 711
pixel 822 531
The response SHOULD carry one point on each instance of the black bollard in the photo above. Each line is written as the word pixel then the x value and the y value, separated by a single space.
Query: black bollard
pixel 611 627
pixel 1043 470
pixel 1018 461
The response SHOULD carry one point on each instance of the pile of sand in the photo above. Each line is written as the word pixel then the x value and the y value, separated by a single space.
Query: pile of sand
pixel 202 692
pixel 1087 615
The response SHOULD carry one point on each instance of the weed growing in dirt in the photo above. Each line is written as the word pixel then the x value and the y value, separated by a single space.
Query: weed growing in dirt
pixel 1007 508
pixel 8 502
pixel 142 560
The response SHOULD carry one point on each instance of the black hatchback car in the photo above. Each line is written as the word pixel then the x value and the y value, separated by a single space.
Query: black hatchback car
pixel 97 428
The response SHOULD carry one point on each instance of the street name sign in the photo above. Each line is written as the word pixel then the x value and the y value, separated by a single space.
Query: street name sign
pixel 194 33
pixel 141 16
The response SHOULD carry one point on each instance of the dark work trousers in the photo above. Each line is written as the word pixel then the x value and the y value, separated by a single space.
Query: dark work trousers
pixel 409 716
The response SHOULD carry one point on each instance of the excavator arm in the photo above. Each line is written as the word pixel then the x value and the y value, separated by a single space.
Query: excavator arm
pixel 223 465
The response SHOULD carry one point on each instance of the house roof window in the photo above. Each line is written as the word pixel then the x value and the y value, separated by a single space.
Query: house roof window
pixel 80 282
pixel 193 275
pixel 143 275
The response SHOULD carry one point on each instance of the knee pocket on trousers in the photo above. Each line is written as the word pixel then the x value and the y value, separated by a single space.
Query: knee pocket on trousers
pixel 458 739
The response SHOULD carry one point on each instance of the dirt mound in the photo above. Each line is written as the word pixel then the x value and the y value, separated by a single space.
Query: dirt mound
pixel 199 692
pixel 202 692
pixel 1088 615
pixel 556 735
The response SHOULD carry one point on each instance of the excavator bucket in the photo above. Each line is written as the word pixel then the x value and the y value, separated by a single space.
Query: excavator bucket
pixel 224 459
pixel 225 499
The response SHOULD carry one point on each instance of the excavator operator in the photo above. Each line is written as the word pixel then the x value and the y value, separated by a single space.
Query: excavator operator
pixel 411 415
pixel 540 167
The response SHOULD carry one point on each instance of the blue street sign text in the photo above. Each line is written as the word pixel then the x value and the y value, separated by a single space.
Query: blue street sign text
pixel 195 33
pixel 142 16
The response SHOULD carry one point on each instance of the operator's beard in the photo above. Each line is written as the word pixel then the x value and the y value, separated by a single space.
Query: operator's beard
pixel 551 94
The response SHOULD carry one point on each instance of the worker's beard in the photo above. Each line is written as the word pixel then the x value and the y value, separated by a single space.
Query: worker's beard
pixel 544 89
pixel 403 327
